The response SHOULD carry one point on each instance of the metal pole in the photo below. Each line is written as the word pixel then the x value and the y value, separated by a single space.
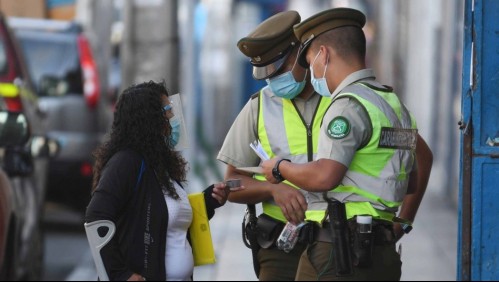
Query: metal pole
pixel 188 91
pixel 150 42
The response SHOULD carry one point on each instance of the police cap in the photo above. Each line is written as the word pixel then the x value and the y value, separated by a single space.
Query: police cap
pixel 312 27
pixel 269 45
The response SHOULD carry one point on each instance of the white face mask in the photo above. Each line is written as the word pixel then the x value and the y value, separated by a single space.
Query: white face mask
pixel 319 84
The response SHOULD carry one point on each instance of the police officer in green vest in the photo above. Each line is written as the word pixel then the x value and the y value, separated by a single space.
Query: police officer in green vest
pixel 285 118
pixel 370 157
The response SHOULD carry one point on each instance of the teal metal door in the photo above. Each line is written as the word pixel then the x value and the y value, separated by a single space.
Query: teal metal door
pixel 478 238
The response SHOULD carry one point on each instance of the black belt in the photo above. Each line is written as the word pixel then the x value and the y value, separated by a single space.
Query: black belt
pixel 383 233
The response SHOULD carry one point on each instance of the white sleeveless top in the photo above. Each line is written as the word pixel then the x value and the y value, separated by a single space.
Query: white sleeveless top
pixel 179 261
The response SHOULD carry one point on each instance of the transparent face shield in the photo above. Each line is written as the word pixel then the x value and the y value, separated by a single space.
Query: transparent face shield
pixel 177 108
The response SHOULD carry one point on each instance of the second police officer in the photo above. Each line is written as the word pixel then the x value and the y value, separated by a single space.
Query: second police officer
pixel 370 157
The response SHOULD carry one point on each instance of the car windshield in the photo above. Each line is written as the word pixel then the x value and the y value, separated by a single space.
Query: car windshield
pixel 53 62
pixel 3 57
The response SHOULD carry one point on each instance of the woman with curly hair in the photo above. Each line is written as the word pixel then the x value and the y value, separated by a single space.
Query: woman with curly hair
pixel 138 185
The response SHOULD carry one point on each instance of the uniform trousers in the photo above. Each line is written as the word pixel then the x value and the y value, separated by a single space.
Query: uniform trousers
pixel 317 264
pixel 276 265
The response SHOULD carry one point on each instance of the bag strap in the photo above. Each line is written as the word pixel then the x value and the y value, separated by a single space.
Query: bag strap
pixel 139 178
pixel 133 199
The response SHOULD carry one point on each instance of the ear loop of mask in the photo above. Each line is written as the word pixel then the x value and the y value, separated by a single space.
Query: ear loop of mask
pixel 291 71
pixel 327 63
pixel 296 61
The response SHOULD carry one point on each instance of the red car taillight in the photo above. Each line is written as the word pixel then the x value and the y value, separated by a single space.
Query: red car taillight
pixel 86 169
pixel 13 104
pixel 11 97
pixel 91 85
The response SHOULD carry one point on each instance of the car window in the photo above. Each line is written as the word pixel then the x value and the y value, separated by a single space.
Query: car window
pixel 52 59
pixel 3 57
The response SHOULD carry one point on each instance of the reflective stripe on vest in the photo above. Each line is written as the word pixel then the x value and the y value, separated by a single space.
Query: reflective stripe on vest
pixel 283 133
pixel 377 178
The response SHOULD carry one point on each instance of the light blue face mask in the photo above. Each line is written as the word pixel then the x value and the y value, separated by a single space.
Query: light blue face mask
pixel 319 84
pixel 285 85
pixel 175 132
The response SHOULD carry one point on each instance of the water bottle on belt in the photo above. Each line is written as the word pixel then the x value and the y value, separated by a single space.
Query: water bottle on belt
pixel 363 241
pixel 289 236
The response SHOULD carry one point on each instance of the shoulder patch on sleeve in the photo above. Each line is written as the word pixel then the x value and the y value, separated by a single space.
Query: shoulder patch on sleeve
pixel 338 128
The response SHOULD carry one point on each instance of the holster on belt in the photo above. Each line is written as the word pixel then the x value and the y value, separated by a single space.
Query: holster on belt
pixel 269 230
pixel 340 236
pixel 250 235
pixel 363 243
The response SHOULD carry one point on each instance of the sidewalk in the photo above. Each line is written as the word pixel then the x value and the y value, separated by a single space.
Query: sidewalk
pixel 428 253
pixel 234 261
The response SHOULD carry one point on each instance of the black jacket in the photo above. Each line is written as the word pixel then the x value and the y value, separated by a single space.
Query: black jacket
pixel 138 209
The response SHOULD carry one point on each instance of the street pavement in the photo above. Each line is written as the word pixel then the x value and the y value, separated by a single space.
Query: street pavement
pixel 429 252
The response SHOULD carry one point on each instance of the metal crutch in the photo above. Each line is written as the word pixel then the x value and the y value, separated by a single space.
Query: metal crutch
pixel 97 242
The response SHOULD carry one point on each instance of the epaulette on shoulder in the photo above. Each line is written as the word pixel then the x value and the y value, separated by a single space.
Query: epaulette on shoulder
pixel 386 88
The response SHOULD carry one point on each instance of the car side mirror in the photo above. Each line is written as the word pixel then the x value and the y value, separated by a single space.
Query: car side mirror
pixel 44 147
pixel 14 129
pixel 52 86
pixel 14 133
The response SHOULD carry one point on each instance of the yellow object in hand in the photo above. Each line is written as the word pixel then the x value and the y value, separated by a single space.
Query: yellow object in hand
pixel 199 231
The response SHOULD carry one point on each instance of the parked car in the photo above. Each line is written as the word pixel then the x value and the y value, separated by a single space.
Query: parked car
pixel 65 75
pixel 21 239
pixel 24 160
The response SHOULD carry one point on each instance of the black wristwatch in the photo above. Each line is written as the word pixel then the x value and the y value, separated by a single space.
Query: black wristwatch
pixel 406 227
pixel 275 171
pixel 404 223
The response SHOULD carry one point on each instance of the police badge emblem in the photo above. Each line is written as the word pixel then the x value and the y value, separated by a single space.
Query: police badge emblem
pixel 338 128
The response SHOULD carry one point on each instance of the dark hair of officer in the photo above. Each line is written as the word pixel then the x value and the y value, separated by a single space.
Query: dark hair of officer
pixel 140 124
pixel 348 41
pixel 340 28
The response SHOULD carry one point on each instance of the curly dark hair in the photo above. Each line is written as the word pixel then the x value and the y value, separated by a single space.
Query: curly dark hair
pixel 139 124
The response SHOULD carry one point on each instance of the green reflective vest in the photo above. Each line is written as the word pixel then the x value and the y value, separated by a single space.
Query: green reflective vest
pixel 283 133
pixel 377 179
